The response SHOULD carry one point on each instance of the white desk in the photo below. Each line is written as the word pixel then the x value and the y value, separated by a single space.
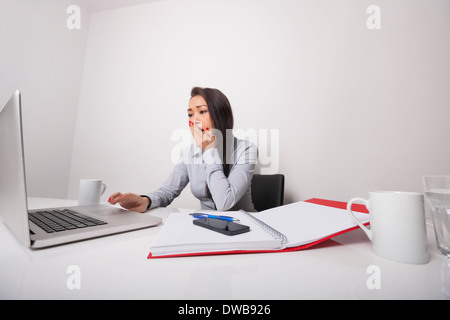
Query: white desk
pixel 117 267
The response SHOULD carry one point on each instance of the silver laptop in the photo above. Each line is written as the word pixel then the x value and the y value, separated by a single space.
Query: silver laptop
pixel 50 226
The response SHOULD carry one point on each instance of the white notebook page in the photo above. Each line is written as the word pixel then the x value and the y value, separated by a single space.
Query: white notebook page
pixel 180 235
pixel 304 222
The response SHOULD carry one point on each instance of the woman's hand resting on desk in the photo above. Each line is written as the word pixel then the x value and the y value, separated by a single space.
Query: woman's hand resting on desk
pixel 130 201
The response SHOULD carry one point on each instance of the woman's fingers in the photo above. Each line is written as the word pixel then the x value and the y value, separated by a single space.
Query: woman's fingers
pixel 115 197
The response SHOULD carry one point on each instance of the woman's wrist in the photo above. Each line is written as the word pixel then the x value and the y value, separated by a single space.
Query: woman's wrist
pixel 147 200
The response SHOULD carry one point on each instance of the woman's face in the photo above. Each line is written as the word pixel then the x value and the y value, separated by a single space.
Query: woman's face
pixel 200 121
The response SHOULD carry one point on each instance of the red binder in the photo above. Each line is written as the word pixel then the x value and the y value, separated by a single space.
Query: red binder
pixel 329 203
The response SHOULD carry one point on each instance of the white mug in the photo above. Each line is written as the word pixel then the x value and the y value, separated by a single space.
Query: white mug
pixel 397 225
pixel 90 191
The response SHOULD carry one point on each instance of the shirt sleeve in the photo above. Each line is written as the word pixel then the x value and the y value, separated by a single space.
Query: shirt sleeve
pixel 227 191
pixel 171 188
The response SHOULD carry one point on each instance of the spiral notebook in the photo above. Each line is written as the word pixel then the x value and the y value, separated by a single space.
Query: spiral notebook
pixel 291 227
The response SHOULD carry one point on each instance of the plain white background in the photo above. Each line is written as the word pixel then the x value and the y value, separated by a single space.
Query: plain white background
pixel 355 109
pixel 43 59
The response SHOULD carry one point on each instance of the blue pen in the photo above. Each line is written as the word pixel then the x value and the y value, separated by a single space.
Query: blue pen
pixel 204 215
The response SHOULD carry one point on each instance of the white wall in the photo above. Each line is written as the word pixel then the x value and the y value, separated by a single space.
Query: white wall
pixel 41 57
pixel 356 109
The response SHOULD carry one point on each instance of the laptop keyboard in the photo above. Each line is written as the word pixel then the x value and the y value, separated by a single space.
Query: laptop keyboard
pixel 61 220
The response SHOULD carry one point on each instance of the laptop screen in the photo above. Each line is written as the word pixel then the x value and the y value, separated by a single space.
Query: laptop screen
pixel 13 197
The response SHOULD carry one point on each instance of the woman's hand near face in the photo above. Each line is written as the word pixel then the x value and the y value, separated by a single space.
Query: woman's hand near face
pixel 208 140
pixel 130 201
pixel 203 138
pixel 200 123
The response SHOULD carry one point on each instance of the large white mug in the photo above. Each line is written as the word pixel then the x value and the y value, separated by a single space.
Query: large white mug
pixel 397 225
pixel 90 191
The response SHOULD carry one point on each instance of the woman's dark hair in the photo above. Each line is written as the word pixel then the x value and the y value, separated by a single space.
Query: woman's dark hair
pixel 222 119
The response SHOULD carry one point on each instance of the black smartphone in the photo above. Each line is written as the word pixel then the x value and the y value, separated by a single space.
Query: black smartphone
pixel 226 227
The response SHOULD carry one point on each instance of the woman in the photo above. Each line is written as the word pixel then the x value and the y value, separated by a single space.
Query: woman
pixel 218 166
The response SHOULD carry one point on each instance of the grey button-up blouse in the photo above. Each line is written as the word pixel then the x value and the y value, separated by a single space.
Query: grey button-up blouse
pixel 204 171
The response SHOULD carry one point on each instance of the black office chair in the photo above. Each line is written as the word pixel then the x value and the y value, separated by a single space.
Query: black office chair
pixel 267 191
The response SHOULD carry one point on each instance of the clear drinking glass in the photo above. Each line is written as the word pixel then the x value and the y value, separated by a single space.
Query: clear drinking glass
pixel 437 191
